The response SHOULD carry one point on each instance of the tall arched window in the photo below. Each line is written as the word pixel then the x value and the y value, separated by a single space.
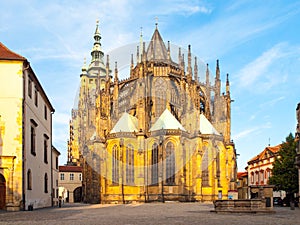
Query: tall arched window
pixel 218 167
pixel 205 172
pixel 154 164
pixel 129 164
pixel 115 164
pixel 46 183
pixel 160 94
pixel 170 164
pixel 29 180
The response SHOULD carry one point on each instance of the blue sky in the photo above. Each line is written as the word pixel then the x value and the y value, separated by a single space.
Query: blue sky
pixel 257 43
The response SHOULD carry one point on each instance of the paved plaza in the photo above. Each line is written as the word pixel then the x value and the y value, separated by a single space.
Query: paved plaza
pixel 151 213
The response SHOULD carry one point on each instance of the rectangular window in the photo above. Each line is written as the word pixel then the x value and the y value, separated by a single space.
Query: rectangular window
pixel 46 183
pixel 71 176
pixel 45 151
pixel 36 97
pixel 45 112
pixel 33 137
pixel 56 163
pixel 62 176
pixel 29 87
pixel 46 138
pixel 80 177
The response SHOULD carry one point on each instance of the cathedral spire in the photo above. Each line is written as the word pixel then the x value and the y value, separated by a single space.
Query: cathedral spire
pixel 97 54
pixel 138 56
pixel 107 83
pixel 196 70
pixel 183 63
pixel 169 51
pixel 131 66
pixel 207 76
pixel 217 80
pixel 141 45
pixel 189 68
pixel 217 70
pixel 227 84
pixel 107 67
pixel 116 80
pixel 179 57
pixel 156 49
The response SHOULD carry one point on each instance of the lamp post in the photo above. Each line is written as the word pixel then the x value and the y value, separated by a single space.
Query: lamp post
pixel 122 169
pixel 161 140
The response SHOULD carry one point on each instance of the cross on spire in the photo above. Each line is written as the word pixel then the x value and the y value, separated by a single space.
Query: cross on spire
pixel 156 21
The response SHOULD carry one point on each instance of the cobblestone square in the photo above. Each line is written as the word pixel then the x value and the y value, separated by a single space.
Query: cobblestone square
pixel 151 213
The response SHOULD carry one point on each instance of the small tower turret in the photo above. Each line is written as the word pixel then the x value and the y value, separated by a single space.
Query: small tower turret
pixel 196 70
pixel 169 51
pixel 207 76
pixel 227 85
pixel 189 67
pixel 116 78
pixel 217 80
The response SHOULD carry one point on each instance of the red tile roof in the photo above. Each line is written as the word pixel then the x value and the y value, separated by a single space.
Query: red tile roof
pixel 5 53
pixel 70 169
pixel 261 155
pixel 242 174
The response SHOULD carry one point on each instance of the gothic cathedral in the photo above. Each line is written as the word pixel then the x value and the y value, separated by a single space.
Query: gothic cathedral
pixel 159 135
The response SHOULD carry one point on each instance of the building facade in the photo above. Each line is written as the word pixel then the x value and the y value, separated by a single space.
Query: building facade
pixel 25 136
pixel 70 183
pixel 160 134
pixel 242 185
pixel 260 167
pixel 55 176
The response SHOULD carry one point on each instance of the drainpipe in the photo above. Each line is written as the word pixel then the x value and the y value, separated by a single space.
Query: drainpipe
pixel 51 159
pixel 23 136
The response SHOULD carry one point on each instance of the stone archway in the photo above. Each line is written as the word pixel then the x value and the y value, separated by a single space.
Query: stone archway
pixel 77 194
pixel 2 192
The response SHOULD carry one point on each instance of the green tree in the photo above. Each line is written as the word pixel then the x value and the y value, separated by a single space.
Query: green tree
pixel 284 173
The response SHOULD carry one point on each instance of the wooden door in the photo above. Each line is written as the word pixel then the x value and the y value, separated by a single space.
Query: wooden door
pixel 2 192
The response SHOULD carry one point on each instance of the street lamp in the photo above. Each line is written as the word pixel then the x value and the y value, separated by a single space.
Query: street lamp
pixel 122 169
pixel 161 140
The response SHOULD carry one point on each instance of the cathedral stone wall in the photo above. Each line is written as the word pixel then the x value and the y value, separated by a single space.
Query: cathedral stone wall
pixel 157 135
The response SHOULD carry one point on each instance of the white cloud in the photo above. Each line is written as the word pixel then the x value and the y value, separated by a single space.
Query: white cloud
pixel 235 27
pixel 257 68
pixel 250 131
pixel 272 102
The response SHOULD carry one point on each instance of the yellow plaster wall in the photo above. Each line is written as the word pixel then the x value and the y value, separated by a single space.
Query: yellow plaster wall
pixel 11 94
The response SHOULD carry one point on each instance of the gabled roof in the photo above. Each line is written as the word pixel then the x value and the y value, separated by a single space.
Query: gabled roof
pixel 156 49
pixel 266 153
pixel 127 123
pixel 70 169
pixel 7 54
pixel 206 127
pixel 242 174
pixel 166 121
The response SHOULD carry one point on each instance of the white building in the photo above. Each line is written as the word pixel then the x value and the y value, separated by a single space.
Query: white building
pixel 55 176
pixel 70 183
pixel 25 136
